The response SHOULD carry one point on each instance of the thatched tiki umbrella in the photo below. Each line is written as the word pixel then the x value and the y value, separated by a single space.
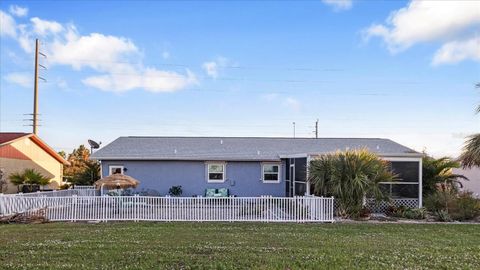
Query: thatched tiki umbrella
pixel 117 181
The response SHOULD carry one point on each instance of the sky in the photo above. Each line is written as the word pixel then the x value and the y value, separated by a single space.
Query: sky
pixel 403 70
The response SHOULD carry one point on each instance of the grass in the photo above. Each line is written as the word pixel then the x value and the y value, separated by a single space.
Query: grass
pixel 239 246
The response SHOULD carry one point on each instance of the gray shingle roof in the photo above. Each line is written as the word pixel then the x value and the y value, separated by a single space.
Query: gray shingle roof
pixel 238 148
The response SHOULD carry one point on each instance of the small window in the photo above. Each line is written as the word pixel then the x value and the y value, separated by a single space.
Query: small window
pixel 216 172
pixel 115 170
pixel 271 173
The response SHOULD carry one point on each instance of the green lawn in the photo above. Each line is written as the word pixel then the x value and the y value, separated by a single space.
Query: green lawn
pixel 238 246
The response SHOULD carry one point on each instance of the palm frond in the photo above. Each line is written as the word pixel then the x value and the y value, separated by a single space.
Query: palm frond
pixel 471 152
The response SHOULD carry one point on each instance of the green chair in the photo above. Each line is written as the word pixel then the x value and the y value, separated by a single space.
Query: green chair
pixel 222 192
pixel 210 192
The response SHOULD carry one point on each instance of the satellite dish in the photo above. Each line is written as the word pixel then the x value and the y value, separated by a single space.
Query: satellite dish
pixel 94 144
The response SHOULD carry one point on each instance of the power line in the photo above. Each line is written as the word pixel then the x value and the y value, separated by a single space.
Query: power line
pixel 241 67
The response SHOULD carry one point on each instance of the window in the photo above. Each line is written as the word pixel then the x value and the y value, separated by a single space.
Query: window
pixel 408 179
pixel 216 172
pixel 271 173
pixel 115 169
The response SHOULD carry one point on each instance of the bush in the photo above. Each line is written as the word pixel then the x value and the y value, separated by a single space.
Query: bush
pixel 149 192
pixel 443 215
pixel 466 207
pixel 175 191
pixel 406 212
pixel 350 177
pixel 439 200
pixel 448 205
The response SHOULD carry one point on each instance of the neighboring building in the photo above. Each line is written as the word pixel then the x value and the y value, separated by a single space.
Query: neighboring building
pixel 246 166
pixel 473 183
pixel 20 151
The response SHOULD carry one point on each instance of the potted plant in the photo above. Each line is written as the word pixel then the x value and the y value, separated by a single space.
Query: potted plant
pixel 175 191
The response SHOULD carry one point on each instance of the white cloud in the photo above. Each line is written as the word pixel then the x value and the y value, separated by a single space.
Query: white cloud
pixel 429 21
pixel 18 11
pixel 456 51
pixel 95 51
pixel 270 96
pixel 150 79
pixel 116 59
pixel 8 27
pixel 22 79
pixel 44 27
pixel 339 5
pixel 165 55
pixel 213 68
pixel 292 103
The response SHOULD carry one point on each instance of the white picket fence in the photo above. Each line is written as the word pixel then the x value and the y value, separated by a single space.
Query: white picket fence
pixel 141 208
pixel 58 193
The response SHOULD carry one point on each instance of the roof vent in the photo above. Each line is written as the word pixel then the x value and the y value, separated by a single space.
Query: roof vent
pixel 378 147
pixel 175 151
pixel 221 141
pixel 258 152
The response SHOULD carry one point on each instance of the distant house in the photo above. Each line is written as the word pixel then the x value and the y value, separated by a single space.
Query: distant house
pixel 20 151
pixel 473 183
pixel 246 166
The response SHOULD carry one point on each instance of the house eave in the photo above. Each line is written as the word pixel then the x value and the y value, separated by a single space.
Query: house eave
pixel 183 159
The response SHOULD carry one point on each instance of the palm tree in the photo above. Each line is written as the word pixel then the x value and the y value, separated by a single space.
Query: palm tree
pixel 29 177
pixel 438 173
pixel 17 179
pixel 350 177
pixel 33 178
pixel 471 151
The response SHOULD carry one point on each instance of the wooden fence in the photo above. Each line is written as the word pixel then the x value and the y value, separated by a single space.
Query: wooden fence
pixel 141 208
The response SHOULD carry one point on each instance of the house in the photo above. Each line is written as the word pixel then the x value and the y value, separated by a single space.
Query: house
pixel 20 151
pixel 473 183
pixel 246 166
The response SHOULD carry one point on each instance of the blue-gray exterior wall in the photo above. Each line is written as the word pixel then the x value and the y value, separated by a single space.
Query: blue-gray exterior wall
pixel 242 178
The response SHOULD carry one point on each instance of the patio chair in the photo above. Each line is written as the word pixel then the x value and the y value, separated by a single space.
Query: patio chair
pixel 210 192
pixel 222 192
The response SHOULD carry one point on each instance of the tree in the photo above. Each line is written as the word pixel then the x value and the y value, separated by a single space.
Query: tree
pixel 471 151
pixel 62 154
pixel 3 181
pixel 350 177
pixel 89 175
pixel 82 170
pixel 29 178
pixel 17 179
pixel 438 173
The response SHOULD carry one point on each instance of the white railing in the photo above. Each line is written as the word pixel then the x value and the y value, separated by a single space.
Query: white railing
pixel 83 187
pixel 57 193
pixel 140 208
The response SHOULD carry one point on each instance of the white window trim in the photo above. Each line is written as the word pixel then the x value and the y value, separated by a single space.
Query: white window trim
pixel 116 167
pixel 279 172
pixel 207 169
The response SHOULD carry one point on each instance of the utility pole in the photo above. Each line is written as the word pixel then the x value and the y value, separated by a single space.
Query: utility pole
pixel 293 129
pixel 316 129
pixel 35 90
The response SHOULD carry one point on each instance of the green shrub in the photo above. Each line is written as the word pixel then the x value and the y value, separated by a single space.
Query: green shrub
pixel 453 206
pixel 350 177
pixel 443 215
pixel 175 191
pixel 466 207
pixel 439 200
pixel 406 212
